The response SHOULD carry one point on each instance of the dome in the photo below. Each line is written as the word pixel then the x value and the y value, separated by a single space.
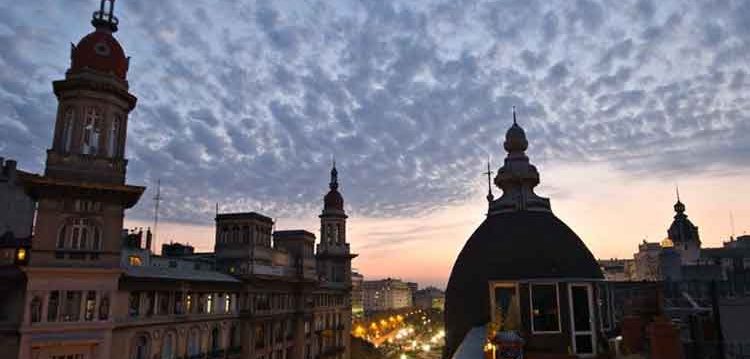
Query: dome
pixel 333 200
pixel 511 246
pixel 100 51
pixel 515 139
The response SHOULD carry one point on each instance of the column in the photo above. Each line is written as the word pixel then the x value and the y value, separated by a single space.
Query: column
pixel 45 306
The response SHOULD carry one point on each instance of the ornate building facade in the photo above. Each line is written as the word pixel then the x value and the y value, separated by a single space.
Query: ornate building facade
pixel 85 289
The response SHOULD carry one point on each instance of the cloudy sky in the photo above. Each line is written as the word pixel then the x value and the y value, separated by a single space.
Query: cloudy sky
pixel 245 102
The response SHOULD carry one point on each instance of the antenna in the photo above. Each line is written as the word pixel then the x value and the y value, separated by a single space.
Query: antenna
pixel 157 199
pixel 731 223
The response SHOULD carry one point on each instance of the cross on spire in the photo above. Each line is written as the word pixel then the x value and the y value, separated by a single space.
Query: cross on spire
pixel 490 196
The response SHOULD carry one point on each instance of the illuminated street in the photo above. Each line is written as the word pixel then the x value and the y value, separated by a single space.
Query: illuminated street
pixel 417 334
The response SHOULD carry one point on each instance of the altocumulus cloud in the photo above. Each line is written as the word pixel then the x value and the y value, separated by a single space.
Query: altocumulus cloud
pixel 244 103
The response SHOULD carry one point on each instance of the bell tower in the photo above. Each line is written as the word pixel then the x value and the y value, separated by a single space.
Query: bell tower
pixel 82 194
pixel 334 256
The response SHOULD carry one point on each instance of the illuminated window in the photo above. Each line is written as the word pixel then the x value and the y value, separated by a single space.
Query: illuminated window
pixel 21 254
pixel 135 261
pixel 545 312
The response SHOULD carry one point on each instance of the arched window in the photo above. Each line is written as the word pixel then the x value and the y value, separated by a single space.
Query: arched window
pixel 61 237
pixel 104 307
pixel 236 234
pixel 193 344
pixel 167 346
pixel 80 233
pixel 215 339
pixel 67 132
pixel 35 309
pixel 234 336
pixel 246 235
pixel 97 245
pixel 114 137
pixel 140 348
pixel 90 139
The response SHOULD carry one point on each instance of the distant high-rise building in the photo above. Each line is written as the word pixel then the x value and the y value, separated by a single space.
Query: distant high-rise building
pixel 386 294
pixel 358 294
pixel 430 298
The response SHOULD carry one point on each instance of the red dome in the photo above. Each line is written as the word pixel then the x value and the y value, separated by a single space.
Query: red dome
pixel 100 51
pixel 333 200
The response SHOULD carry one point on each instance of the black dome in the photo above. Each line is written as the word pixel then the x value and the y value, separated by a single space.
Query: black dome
pixel 510 246
pixel 333 200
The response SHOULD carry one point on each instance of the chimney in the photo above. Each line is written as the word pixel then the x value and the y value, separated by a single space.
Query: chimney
pixel 148 238
pixel 10 170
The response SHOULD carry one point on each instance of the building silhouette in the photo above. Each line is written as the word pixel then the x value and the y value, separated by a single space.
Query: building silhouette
pixel 523 271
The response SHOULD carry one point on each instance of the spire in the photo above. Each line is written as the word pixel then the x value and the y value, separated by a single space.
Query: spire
pixel 334 184
pixel 490 196
pixel 518 177
pixel 679 207
pixel 104 18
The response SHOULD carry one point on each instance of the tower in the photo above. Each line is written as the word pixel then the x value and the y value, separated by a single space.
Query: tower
pixel 74 267
pixel 82 194
pixel 334 257
pixel 684 234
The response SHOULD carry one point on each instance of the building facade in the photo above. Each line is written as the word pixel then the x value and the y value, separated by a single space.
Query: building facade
pixel 87 289
pixel 386 294
pixel 358 295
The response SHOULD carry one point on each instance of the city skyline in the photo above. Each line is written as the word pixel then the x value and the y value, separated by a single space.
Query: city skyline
pixel 257 134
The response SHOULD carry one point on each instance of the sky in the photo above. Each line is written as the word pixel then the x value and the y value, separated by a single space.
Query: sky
pixel 244 103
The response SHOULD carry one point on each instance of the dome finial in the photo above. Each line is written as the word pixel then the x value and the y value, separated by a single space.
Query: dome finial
pixel 334 184
pixel 514 115
pixel 104 18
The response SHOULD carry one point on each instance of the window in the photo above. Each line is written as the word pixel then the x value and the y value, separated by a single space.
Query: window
pixel 193 344
pixel 178 303
pixel 104 307
pixel 67 134
pixel 260 336
pixel 227 303
pixel 90 306
pixel 114 137
pixel 134 304
pixel 234 336
pixel 215 339
pixel 90 140
pixel 35 309
pixel 72 306
pixel 52 306
pixel 545 311
pixel 167 346
pixel 164 299
pixel 134 261
pixel 189 303
pixel 504 299
pixel 80 233
pixel 141 347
